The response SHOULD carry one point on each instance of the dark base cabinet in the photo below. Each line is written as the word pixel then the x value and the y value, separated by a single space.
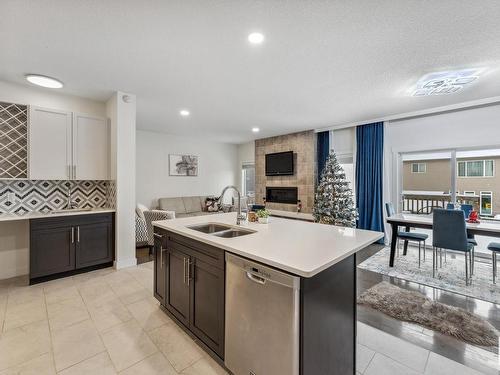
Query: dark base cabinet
pixel 69 244
pixel 190 286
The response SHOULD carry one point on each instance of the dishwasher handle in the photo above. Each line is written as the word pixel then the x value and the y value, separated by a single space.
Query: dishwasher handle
pixel 255 278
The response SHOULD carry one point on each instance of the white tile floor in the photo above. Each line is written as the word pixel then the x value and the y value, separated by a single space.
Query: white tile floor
pixel 107 322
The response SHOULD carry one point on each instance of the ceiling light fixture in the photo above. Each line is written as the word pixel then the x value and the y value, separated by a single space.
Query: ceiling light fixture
pixel 184 113
pixel 44 81
pixel 255 130
pixel 256 38
pixel 442 83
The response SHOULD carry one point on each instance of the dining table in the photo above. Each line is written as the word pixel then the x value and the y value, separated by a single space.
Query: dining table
pixel 490 228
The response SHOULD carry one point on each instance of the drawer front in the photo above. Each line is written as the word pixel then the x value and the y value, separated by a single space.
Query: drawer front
pixel 206 253
pixel 70 220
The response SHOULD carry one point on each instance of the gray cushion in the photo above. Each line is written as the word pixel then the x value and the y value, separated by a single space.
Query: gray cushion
pixel 172 204
pixel 192 204
pixel 494 246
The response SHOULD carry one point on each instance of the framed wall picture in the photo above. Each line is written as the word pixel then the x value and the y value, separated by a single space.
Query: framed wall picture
pixel 183 165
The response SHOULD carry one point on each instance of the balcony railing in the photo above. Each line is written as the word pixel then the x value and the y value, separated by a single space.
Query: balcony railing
pixel 425 203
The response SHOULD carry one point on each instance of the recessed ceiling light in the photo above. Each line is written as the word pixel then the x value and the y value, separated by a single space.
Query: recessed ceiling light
pixel 442 83
pixel 184 112
pixel 255 130
pixel 44 81
pixel 256 38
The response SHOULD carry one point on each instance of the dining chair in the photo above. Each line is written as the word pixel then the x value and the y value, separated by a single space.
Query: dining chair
pixel 495 248
pixel 449 231
pixel 408 236
pixel 466 208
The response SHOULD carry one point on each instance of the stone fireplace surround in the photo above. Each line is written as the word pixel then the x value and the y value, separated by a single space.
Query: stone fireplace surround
pixel 303 145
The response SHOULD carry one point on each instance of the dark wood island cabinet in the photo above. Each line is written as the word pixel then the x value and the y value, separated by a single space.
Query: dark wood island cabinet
pixel 189 283
pixel 282 299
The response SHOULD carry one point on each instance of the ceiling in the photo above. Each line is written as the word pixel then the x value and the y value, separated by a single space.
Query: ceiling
pixel 322 63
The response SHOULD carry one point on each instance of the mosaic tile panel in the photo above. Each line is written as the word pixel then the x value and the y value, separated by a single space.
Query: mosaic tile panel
pixel 21 196
pixel 111 194
pixel 13 140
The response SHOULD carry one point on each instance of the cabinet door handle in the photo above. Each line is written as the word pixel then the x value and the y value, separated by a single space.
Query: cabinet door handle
pixel 189 271
pixel 74 172
pixel 72 234
pixel 157 235
pixel 78 234
pixel 161 256
pixel 68 171
pixel 184 277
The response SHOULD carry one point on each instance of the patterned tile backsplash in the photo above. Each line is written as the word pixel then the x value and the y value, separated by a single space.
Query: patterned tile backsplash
pixel 21 196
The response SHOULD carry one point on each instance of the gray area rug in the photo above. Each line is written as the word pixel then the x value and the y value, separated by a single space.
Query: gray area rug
pixel 450 277
pixel 410 306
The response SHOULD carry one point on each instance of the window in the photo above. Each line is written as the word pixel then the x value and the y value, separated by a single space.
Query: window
pixel 475 168
pixel 418 168
pixel 486 203
pixel 248 179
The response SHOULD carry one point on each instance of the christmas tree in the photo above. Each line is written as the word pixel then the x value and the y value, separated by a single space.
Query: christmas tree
pixel 333 203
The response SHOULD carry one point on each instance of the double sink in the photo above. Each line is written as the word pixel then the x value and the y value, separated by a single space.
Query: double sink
pixel 221 230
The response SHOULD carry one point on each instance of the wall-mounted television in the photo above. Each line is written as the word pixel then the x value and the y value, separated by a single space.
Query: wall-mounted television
pixel 279 164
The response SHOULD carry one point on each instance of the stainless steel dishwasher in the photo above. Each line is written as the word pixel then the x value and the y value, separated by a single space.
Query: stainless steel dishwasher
pixel 262 319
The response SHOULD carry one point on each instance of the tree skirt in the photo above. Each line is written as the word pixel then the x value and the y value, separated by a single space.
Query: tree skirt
pixel 451 277
pixel 411 306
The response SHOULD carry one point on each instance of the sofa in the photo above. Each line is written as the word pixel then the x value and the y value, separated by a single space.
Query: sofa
pixel 184 206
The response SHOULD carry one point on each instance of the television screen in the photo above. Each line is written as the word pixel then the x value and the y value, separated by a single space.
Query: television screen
pixel 279 164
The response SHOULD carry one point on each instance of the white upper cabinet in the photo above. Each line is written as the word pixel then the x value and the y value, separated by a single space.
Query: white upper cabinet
pixel 90 148
pixel 67 146
pixel 49 144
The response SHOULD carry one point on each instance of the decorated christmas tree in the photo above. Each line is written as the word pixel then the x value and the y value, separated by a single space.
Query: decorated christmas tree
pixel 333 202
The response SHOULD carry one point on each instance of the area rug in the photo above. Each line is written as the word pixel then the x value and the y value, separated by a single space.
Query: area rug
pixel 451 277
pixel 411 306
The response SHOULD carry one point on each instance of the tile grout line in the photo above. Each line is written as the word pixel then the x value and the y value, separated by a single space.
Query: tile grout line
pixel 168 360
pixel 427 361
pixel 132 365
pixel 395 360
pixel 93 324
pixel 50 331
pixel 370 361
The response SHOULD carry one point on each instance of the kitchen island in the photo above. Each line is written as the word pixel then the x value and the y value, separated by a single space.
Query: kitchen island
pixel 310 268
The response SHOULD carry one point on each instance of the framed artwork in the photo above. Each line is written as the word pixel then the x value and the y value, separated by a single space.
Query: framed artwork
pixel 183 165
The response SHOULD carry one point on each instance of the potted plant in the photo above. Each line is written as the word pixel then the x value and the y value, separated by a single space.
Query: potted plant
pixel 263 216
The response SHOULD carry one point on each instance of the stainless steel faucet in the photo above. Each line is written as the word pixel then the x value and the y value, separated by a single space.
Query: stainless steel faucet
pixel 239 216
pixel 70 204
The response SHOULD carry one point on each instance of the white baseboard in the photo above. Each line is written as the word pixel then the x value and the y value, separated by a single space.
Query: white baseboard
pixel 125 263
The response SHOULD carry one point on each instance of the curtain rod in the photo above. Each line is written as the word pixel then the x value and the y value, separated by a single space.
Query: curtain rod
pixel 422 113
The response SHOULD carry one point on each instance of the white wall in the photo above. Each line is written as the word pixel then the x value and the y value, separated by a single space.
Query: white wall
pixel 469 128
pixel 218 167
pixel 14 245
pixel 29 95
pixel 246 154
pixel 122 115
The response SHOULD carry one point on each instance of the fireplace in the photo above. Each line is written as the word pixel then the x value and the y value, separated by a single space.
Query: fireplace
pixel 282 195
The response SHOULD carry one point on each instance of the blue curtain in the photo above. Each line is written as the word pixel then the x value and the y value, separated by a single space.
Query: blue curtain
pixel 369 176
pixel 323 150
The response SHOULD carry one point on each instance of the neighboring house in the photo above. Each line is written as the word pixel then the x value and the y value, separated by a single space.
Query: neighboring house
pixel 478 180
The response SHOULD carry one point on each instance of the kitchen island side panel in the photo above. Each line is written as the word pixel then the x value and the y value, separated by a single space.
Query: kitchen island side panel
pixel 328 321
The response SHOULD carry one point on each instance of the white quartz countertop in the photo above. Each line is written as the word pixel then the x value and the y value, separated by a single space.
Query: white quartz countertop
pixel 295 246
pixel 292 215
pixel 39 215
